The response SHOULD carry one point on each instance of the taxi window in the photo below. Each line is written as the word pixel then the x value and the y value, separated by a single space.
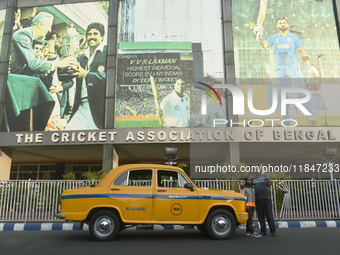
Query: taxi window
pixel 135 178
pixel 170 179
pixel 122 179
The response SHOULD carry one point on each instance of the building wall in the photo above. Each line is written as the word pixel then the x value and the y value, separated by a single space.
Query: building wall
pixel 220 57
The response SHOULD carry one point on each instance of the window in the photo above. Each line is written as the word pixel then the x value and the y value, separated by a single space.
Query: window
pixel 80 169
pixel 34 172
pixel 135 178
pixel 122 179
pixel 170 179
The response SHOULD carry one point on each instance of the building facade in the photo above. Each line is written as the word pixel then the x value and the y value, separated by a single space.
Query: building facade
pixel 228 82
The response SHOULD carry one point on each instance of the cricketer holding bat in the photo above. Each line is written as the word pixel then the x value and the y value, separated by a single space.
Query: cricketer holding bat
pixel 287 46
pixel 175 107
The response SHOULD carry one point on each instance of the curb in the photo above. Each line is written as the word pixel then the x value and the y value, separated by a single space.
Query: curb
pixel 76 226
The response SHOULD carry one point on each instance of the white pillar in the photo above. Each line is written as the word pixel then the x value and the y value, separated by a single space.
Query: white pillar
pixel 110 158
pixel 5 164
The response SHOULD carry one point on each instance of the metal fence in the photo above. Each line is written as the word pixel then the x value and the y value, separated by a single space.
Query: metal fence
pixel 33 200
pixel 310 199
pixel 292 199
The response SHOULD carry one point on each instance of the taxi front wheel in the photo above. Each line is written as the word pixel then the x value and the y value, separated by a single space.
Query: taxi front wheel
pixel 220 224
pixel 104 226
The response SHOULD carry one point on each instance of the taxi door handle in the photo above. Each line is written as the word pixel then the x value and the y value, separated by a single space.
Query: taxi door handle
pixel 115 189
pixel 161 190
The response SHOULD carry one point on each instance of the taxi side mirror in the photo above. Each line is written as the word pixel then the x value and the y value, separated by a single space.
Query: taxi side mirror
pixel 189 185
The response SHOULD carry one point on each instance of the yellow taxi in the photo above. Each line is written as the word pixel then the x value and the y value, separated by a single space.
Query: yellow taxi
pixel 152 194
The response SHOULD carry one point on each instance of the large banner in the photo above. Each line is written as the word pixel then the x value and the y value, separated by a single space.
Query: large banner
pixel 183 36
pixel 2 23
pixel 153 85
pixel 57 73
pixel 288 50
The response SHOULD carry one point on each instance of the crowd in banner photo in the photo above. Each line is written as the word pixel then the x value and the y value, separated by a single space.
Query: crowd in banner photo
pixel 138 100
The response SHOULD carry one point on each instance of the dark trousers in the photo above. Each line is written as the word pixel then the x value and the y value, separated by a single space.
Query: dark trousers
pixel 264 210
pixel 249 223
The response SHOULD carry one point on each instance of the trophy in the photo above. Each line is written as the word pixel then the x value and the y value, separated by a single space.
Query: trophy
pixel 70 46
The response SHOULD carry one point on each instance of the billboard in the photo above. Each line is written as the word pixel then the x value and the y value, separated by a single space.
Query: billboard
pixel 57 71
pixel 289 46
pixel 2 23
pixel 189 32
pixel 153 84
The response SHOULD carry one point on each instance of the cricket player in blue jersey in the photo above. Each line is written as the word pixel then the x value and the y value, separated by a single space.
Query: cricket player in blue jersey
pixel 287 46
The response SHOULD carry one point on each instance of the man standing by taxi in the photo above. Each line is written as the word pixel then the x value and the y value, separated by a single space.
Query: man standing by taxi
pixel 263 203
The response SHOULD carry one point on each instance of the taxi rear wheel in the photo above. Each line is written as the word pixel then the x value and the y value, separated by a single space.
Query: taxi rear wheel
pixel 104 226
pixel 220 224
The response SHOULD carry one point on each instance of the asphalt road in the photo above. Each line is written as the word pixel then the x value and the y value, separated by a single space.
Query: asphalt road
pixel 289 241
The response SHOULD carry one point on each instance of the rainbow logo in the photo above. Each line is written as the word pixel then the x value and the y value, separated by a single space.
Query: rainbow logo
pixel 208 92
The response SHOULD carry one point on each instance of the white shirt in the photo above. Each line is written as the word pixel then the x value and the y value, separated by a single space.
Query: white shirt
pixel 176 110
pixel 100 48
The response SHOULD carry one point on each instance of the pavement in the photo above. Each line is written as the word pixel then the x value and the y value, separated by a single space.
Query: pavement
pixel 66 226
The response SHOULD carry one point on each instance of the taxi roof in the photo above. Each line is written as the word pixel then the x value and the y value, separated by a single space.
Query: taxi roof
pixel 118 170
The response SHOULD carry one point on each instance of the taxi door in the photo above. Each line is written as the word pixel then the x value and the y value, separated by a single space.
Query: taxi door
pixel 173 202
pixel 133 192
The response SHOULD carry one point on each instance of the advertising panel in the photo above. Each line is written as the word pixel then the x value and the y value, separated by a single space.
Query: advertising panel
pixel 2 23
pixel 186 33
pixel 148 81
pixel 286 57
pixel 287 53
pixel 57 71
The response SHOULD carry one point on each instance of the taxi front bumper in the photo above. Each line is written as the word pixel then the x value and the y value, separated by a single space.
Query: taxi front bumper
pixel 242 217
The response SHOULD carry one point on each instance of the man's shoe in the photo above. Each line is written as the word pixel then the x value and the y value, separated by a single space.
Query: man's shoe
pixel 255 235
pixel 274 235
pixel 248 234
